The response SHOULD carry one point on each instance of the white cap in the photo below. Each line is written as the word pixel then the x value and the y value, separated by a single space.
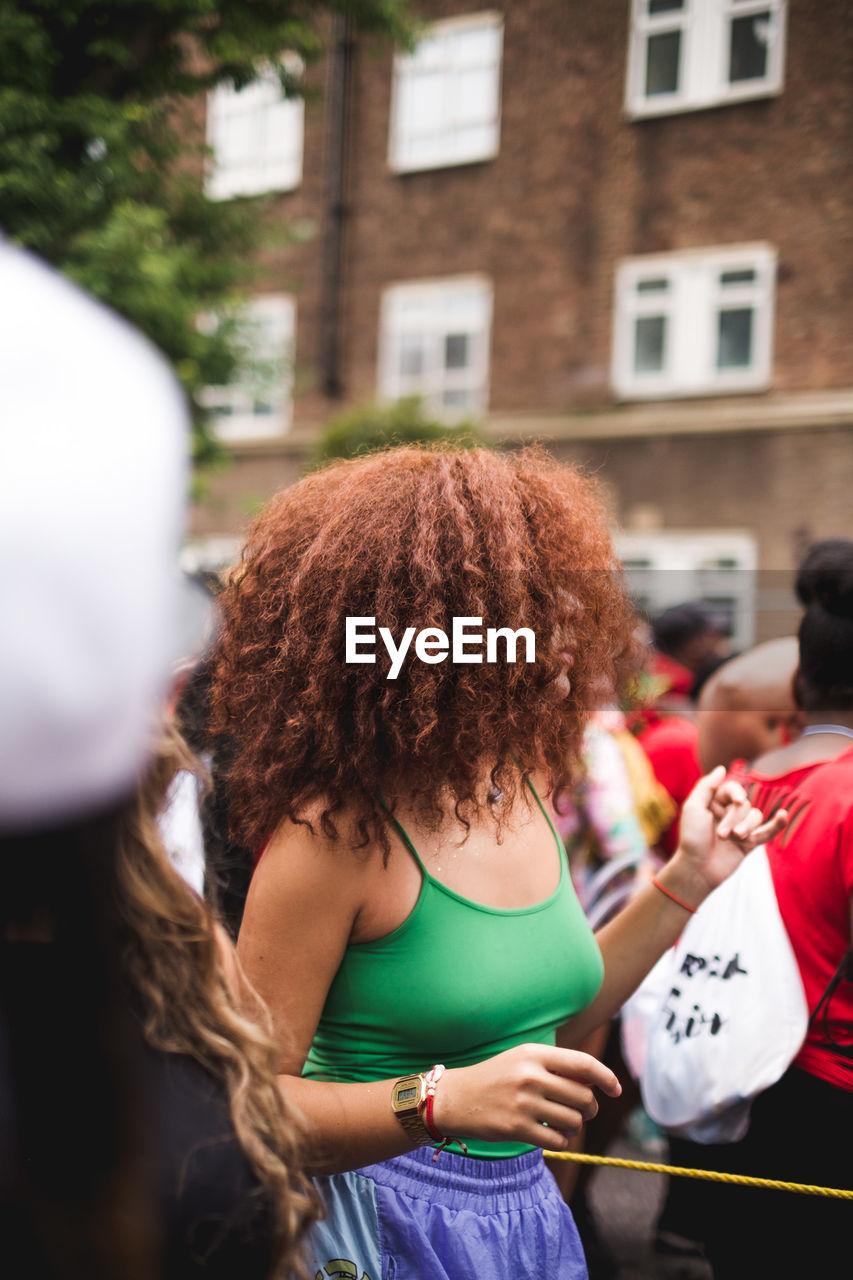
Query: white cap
pixel 93 479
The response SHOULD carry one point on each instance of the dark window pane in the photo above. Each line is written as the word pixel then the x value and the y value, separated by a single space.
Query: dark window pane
pixel 456 351
pixel 734 346
pixel 747 276
pixel 659 285
pixel 748 49
pixel 663 57
pixel 665 6
pixel 649 339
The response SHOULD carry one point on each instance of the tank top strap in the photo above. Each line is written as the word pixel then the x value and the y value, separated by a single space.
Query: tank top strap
pixel 403 834
pixel 407 841
pixel 558 839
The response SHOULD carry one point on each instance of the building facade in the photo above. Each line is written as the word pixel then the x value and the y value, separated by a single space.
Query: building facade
pixel 623 229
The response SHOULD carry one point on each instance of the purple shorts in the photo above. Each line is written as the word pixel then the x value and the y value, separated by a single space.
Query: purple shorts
pixel 455 1218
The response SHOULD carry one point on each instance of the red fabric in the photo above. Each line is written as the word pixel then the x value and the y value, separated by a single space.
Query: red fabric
pixel 812 867
pixel 672 746
pixel 429 1123
pixel 679 679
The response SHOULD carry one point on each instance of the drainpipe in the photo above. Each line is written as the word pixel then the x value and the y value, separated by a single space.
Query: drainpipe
pixel 334 205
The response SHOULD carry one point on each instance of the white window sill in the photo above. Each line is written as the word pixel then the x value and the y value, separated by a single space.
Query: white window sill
pixel 650 109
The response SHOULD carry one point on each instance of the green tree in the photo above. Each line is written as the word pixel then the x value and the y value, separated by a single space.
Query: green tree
pixel 97 171
pixel 372 427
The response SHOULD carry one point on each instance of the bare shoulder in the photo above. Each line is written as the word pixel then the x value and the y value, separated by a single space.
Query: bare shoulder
pixel 305 874
pixel 301 912
pixel 304 852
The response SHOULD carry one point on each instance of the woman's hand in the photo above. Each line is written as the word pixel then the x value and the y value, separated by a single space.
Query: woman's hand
pixel 718 827
pixel 532 1093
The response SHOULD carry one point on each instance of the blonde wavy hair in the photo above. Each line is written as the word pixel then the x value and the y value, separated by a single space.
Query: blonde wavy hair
pixel 195 1000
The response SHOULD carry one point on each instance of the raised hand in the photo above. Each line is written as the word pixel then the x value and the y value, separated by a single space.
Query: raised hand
pixel 719 827
pixel 532 1093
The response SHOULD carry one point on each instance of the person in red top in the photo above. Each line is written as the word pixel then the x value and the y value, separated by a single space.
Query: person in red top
pixel 812 868
pixel 747 707
pixel 801 1130
pixel 686 643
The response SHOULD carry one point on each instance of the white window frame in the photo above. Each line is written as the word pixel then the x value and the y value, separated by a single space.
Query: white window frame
pixel 213 553
pixel 439 56
pixel 233 416
pixel 705 27
pixel 717 566
pixel 694 297
pixel 270 155
pixel 422 313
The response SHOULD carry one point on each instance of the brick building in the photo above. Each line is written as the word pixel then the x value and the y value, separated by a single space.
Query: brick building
pixel 624 228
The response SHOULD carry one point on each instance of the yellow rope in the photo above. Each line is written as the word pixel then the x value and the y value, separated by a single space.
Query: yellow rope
pixel 710 1175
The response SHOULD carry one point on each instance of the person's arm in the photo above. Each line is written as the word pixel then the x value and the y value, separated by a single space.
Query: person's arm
pixel 718 827
pixel 303 907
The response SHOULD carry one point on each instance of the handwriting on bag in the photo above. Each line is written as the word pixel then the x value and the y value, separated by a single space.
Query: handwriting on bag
pixel 686 1019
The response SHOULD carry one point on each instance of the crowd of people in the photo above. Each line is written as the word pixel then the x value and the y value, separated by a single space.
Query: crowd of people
pixel 443 883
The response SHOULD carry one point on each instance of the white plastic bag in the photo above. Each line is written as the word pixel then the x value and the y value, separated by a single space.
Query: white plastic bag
pixel 721 1015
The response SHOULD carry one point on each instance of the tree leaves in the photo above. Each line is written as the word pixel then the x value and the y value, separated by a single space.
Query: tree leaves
pixel 101 154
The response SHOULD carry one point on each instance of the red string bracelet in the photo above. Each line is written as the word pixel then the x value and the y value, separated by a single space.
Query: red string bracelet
pixel 425 1109
pixel 673 897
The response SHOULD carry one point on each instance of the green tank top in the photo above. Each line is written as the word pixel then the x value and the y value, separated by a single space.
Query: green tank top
pixel 457 982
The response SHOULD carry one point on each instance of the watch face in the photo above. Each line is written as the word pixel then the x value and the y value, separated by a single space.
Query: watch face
pixel 407 1093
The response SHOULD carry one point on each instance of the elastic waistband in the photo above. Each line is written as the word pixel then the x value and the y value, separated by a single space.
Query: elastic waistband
pixel 480 1185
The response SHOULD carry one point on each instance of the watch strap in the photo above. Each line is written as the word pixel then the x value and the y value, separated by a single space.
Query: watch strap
pixel 415 1128
pixel 410 1116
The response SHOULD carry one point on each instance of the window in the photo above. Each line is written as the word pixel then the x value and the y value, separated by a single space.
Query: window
pixel 716 567
pixel 445 107
pixel 216 553
pixel 434 343
pixel 693 323
pixel 257 405
pixel 256 137
pixel 687 54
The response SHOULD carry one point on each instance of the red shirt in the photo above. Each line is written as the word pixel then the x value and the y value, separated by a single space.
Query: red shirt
pixel 812 867
pixel 679 679
pixel 671 744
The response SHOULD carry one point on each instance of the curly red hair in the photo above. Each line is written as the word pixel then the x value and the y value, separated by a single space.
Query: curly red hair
pixel 412 537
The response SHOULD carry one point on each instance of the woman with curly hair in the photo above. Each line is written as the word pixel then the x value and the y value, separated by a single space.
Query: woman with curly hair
pixel 411 921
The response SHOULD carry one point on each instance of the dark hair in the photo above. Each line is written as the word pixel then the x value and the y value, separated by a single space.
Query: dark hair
pixel 78 1204
pixel 824 587
pixel 703 675
pixel 678 625
pixel 412 537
